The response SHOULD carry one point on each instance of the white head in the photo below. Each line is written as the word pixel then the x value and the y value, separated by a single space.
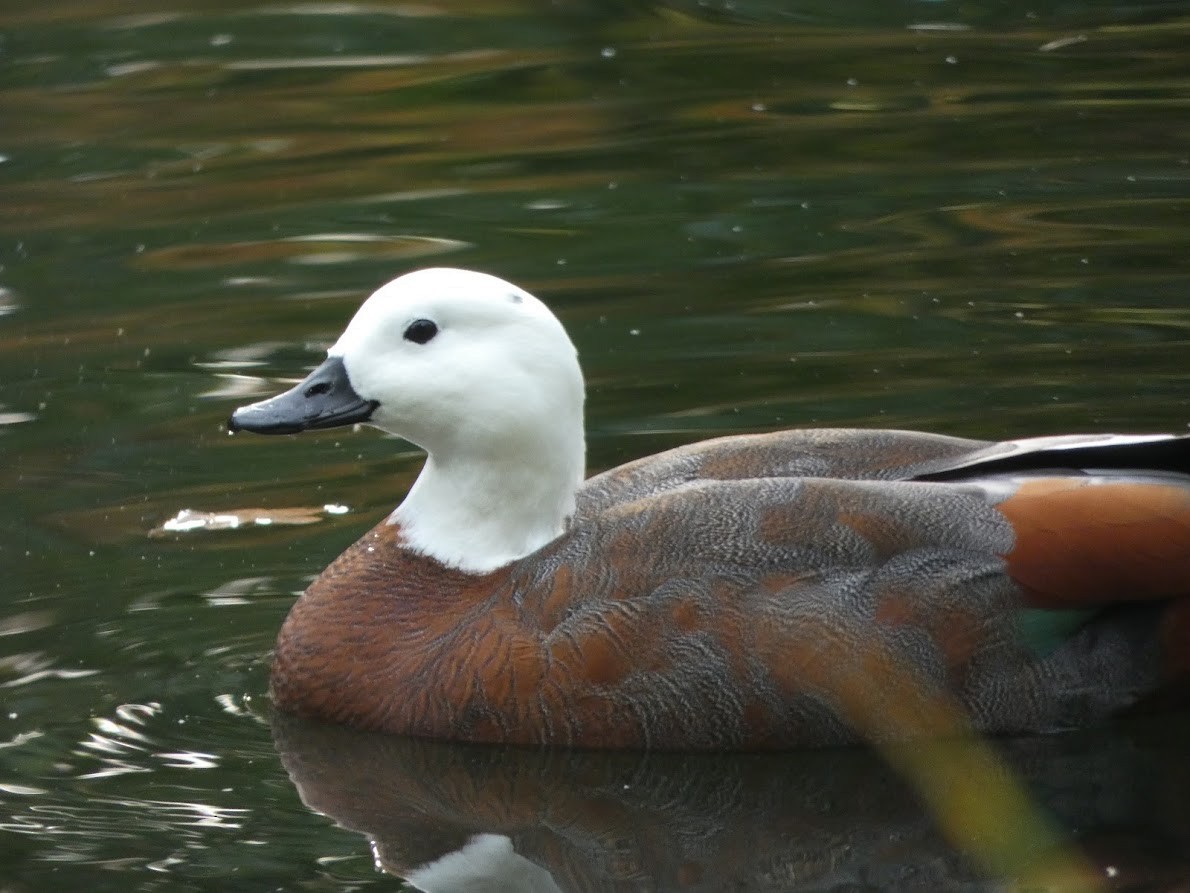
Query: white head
pixel 481 375
pixel 459 361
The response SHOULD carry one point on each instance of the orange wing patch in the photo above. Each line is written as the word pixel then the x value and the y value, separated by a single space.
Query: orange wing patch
pixel 1083 543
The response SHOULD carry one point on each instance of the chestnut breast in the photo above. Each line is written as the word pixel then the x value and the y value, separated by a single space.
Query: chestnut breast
pixel 725 614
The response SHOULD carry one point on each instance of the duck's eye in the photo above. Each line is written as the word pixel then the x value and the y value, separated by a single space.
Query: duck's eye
pixel 420 331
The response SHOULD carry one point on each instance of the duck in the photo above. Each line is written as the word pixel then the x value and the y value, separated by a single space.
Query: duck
pixel 788 589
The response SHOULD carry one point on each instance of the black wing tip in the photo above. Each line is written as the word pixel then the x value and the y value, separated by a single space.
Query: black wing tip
pixel 1159 453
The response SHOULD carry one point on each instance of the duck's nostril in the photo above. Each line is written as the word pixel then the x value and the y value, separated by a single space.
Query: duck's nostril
pixel 321 387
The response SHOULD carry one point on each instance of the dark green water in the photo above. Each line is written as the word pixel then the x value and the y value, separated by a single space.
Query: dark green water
pixel 750 215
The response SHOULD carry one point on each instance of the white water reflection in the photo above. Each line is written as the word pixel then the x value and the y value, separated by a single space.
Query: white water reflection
pixel 8 301
pixel 487 863
pixel 232 386
pixel 191 520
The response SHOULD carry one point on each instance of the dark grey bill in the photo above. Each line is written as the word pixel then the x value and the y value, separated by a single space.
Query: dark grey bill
pixel 324 400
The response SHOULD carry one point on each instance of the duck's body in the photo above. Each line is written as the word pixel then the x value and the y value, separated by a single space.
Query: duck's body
pixel 748 592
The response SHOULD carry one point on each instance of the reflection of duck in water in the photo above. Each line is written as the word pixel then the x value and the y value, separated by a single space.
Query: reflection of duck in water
pixel 748 592
pixel 453 818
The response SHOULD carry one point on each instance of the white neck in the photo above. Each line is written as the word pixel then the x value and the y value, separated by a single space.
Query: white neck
pixel 477 509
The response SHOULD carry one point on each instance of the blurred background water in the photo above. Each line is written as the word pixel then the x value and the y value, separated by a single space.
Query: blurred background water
pixel 756 214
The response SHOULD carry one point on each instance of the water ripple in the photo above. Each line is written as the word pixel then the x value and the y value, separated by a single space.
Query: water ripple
pixel 321 248
pixel 378 61
pixel 36 666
